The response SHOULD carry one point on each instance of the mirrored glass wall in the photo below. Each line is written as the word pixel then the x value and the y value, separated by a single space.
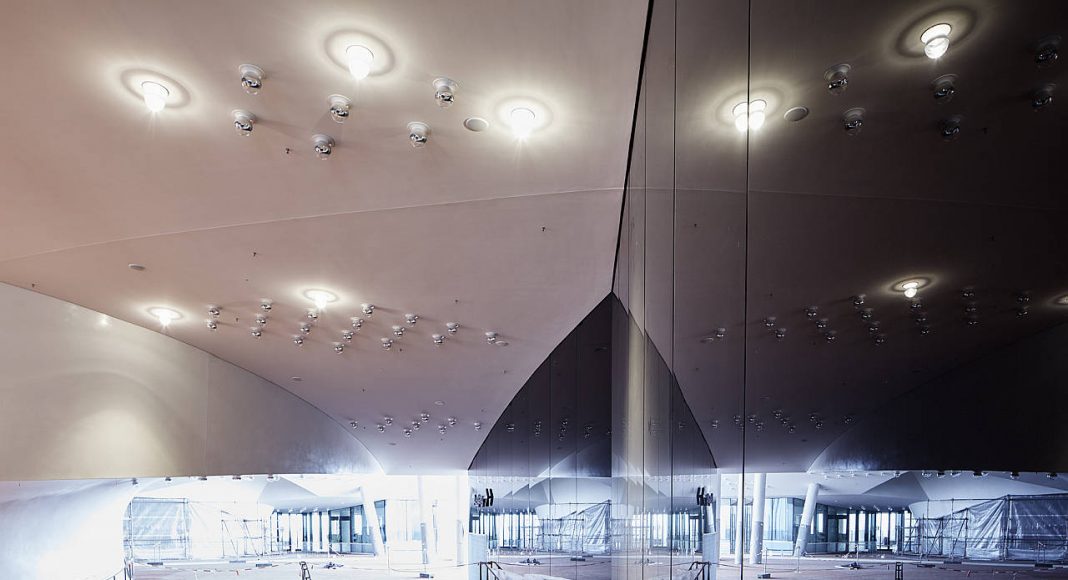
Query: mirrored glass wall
pixel 838 322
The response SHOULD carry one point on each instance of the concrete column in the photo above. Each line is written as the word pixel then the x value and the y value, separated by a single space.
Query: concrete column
pixel 756 535
pixel 806 518
pixel 739 523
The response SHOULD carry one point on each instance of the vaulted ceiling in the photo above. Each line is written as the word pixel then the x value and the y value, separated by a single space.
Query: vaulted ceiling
pixel 498 234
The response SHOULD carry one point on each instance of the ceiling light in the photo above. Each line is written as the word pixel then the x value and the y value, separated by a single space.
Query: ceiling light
pixel 380 428
pixel 164 315
pixel 354 424
pixel 837 78
pixel 491 337
pixel 214 311
pixel 522 120
pixel 251 78
pixel 411 318
pixel 1062 301
pixel 398 330
pixel 944 89
pixel 1014 475
pixel 261 319
pixel 444 92
pixel 407 433
pixel 305 328
pixel 359 58
pixel 339 348
pixel 418 133
pixel 795 114
pixel 452 327
pixel 439 403
pixel 323 145
pixel 451 421
pixel 256 331
pixel 298 340
pixel 387 343
pixel 1046 54
pixel 155 96
pixel 212 325
pixel 438 338
pixel 477 425
pixel 910 286
pixel 357 323
pixel 320 297
pixel 313 314
pixel 853 121
pixel 387 420
pixel 243 122
pixel 936 40
pixel 1042 97
pixel 749 116
pixel 424 417
pixel 347 335
pixel 367 308
pixel 950 129
pixel 340 107
pixel 136 267
pixel 266 305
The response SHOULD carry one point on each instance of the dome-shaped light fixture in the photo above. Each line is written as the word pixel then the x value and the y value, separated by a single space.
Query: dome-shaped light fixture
pixel 936 40
pixel 418 134
pixel 320 297
pixel 950 129
pixel 1042 97
pixel 522 121
pixel 837 78
pixel 1046 53
pixel 251 78
pixel 749 116
pixel 165 315
pixel 155 95
pixel 910 287
pixel 340 108
pixel 323 145
pixel 243 122
pixel 853 121
pixel 359 58
pixel 944 88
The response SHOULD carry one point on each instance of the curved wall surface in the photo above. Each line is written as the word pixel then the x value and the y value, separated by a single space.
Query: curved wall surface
pixel 85 396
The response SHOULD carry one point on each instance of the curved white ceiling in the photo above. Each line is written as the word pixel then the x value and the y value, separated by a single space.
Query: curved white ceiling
pixel 516 237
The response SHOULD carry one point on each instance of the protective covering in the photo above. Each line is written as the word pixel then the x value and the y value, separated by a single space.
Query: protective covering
pixel 178 529
pixel 1030 528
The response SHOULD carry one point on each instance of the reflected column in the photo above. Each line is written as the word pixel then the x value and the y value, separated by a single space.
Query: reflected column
pixel 806 518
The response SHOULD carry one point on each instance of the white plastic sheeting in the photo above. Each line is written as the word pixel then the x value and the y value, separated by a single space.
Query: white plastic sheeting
pixel 1028 528
pixel 168 529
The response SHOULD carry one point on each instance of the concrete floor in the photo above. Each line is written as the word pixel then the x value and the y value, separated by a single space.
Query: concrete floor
pixel 356 567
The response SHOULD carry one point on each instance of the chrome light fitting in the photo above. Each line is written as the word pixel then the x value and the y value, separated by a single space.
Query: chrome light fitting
pixel 251 78
pixel 1046 52
pixel 256 331
pixel 347 335
pixel 339 348
pixel 214 311
pixel 357 323
pixel 387 343
pixel 305 328
pixel 491 337
pixel 340 108
pixel 418 134
pixel 438 339
pixel 398 330
pixel 411 319
pixel 452 327
pixel 853 121
pixel 359 59
pixel 367 308
pixel 244 121
pixel 944 88
pixel 323 146
pixel 155 96
pixel 444 92
pixel 261 319
pixel 837 78
pixel 266 305
pixel 950 129
pixel 936 40
pixel 1042 97
pixel 298 340
pixel 212 325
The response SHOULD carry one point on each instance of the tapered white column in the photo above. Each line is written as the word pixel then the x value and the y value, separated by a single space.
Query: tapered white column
pixel 370 515
pixel 739 523
pixel 806 518
pixel 756 533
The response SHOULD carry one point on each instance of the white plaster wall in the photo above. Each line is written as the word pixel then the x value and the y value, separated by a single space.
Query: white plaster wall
pixel 85 396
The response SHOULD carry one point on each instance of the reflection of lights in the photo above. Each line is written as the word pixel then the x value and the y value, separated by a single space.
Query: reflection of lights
pixel 936 40
pixel 1063 300
pixel 911 286
pixel 749 116
pixel 359 58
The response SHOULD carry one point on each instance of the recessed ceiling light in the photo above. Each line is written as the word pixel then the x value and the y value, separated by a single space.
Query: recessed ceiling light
pixel 136 267
pixel 418 133
pixel 936 40
pixel 444 92
pixel 944 88
pixel 244 121
pixel 359 58
pixel 439 403
pixel 340 108
pixel 164 315
pixel 749 116
pixel 155 95
pixel 522 120
pixel 837 78
pixel 320 297
pixel 910 286
pixel 323 145
pixel 853 121
pixel 795 114
pixel 1063 300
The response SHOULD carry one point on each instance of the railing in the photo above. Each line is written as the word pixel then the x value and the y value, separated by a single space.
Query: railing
pixel 486 570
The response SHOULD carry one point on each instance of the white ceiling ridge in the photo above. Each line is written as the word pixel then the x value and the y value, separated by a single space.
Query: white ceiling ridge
pixel 950 202
pixel 310 217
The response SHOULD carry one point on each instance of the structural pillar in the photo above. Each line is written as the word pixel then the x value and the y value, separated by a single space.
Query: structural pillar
pixel 739 523
pixel 756 533
pixel 806 518
pixel 370 515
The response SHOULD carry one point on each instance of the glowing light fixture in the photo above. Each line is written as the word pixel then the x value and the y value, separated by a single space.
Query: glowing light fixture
pixel 155 95
pixel 522 120
pixel 911 286
pixel 936 40
pixel 164 315
pixel 359 58
pixel 320 297
pixel 749 116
